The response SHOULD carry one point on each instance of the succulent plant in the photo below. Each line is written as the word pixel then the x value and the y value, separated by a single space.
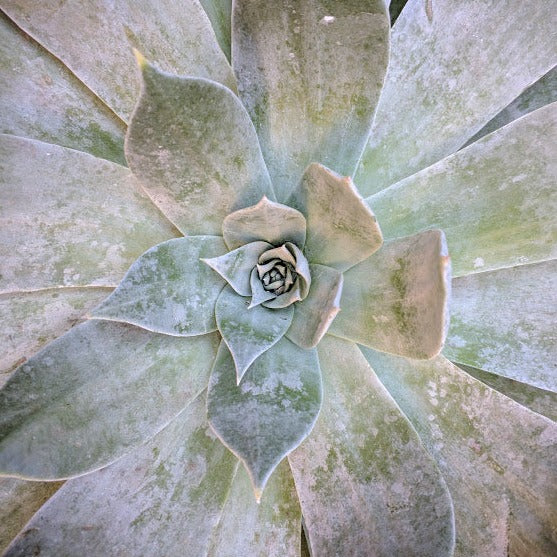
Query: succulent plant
pixel 207 342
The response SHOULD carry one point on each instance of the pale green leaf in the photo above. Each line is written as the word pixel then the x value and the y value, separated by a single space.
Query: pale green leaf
pixel 193 147
pixel 236 266
pixel 41 99
pixel 268 221
pixel 366 483
pixel 169 289
pixel 397 300
pixel 504 322
pixel 314 315
pixel 69 219
pixel 498 458
pixel 454 65
pixel 29 320
pixel 540 401
pixel 271 411
pixel 341 229
pixel 310 75
pixel 249 331
pixel 94 39
pixel 220 14
pixel 19 501
pixel 94 394
pixel 496 200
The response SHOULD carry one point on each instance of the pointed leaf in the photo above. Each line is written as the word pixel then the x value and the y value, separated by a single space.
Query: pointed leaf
pixel 366 483
pixel 95 40
pixel 220 14
pixel 310 76
pixel 498 458
pixel 468 61
pixel 236 266
pixel 249 332
pixel 29 320
pixel 69 219
pixel 192 145
pixel 169 289
pixel 314 315
pixel 272 410
pixel 342 230
pixel 258 293
pixel 495 200
pixel 95 393
pixel 504 322
pixel 268 221
pixel 396 301
pixel 41 99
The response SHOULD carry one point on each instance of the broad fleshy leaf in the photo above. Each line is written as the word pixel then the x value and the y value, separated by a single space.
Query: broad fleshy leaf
pixel 169 289
pixel 495 200
pixel 341 229
pixel 249 331
pixel 220 15
pixel 498 458
pixel 504 322
pixel 453 66
pixel 94 394
pixel 310 74
pixel 41 99
pixel 396 301
pixel 314 315
pixel 269 221
pixel 95 39
pixel 29 320
pixel 69 219
pixel 366 483
pixel 193 147
pixel 271 411
pixel 236 266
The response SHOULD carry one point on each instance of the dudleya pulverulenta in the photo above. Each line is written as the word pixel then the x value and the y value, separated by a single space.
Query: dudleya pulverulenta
pixel 261 301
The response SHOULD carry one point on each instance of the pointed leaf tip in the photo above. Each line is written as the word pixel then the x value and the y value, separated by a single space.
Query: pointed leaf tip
pixel 142 62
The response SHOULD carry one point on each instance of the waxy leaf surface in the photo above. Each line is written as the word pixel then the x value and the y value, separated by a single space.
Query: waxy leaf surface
pixel 498 458
pixel 70 219
pixel 169 289
pixel 249 331
pixel 220 15
pixel 396 300
pixel 271 411
pixel 495 200
pixel 367 485
pixel 94 394
pixel 194 149
pixel 310 73
pixel 453 66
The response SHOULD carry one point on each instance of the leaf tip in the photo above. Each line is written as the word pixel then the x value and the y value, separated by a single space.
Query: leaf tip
pixel 141 60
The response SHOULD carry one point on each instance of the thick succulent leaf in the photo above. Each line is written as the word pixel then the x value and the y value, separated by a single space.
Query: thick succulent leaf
pixel 192 145
pixel 313 316
pixel 540 401
pixel 94 394
pixel 95 40
pixel 41 99
pixel 269 221
pixel 258 293
pixel 341 229
pixel 310 74
pixel 454 65
pixel 179 490
pixel 498 458
pixel 169 289
pixel 19 501
pixel 504 322
pixel 271 411
pixel 543 92
pixel 220 14
pixel 249 331
pixel 495 200
pixel 367 485
pixel 236 266
pixel 397 300
pixel 69 219
pixel 29 320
